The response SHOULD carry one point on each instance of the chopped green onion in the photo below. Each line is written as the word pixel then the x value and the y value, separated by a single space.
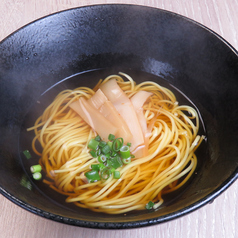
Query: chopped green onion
pixel 98 167
pixel 125 152
pixel 106 149
pixel 35 168
pixel 37 176
pixel 95 167
pixel 111 137
pixel 126 161
pixel 110 144
pixel 115 162
pixel 27 154
pixel 102 144
pixel 101 166
pixel 98 138
pixel 92 176
pixel 102 158
pixel 112 170
pixel 99 152
pixel 114 153
pixel 93 144
pixel 116 174
pixel 108 155
pixel 93 153
pixel 117 144
pixel 25 182
pixel 106 173
pixel 149 205
pixel 132 156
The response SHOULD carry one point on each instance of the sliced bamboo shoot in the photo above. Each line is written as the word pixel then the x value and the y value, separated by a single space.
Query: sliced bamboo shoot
pixel 110 113
pixel 98 99
pixel 92 117
pixel 125 108
pixel 138 101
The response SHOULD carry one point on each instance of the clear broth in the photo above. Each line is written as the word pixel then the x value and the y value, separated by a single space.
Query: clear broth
pixel 89 79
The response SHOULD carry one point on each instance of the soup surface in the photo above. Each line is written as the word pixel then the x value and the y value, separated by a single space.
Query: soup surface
pixel 104 194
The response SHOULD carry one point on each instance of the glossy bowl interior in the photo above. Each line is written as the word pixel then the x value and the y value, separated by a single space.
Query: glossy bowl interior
pixel 79 46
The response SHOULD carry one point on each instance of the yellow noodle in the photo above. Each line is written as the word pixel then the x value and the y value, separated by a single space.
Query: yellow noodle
pixel 171 161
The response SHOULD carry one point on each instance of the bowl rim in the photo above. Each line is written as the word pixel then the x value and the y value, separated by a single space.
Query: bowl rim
pixel 133 224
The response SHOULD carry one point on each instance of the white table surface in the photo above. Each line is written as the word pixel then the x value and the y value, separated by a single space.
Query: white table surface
pixel 216 220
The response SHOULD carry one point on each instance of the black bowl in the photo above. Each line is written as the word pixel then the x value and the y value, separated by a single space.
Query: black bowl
pixel 89 43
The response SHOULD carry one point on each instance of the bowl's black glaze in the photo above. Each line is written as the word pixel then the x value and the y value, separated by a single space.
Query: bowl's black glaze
pixel 189 56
